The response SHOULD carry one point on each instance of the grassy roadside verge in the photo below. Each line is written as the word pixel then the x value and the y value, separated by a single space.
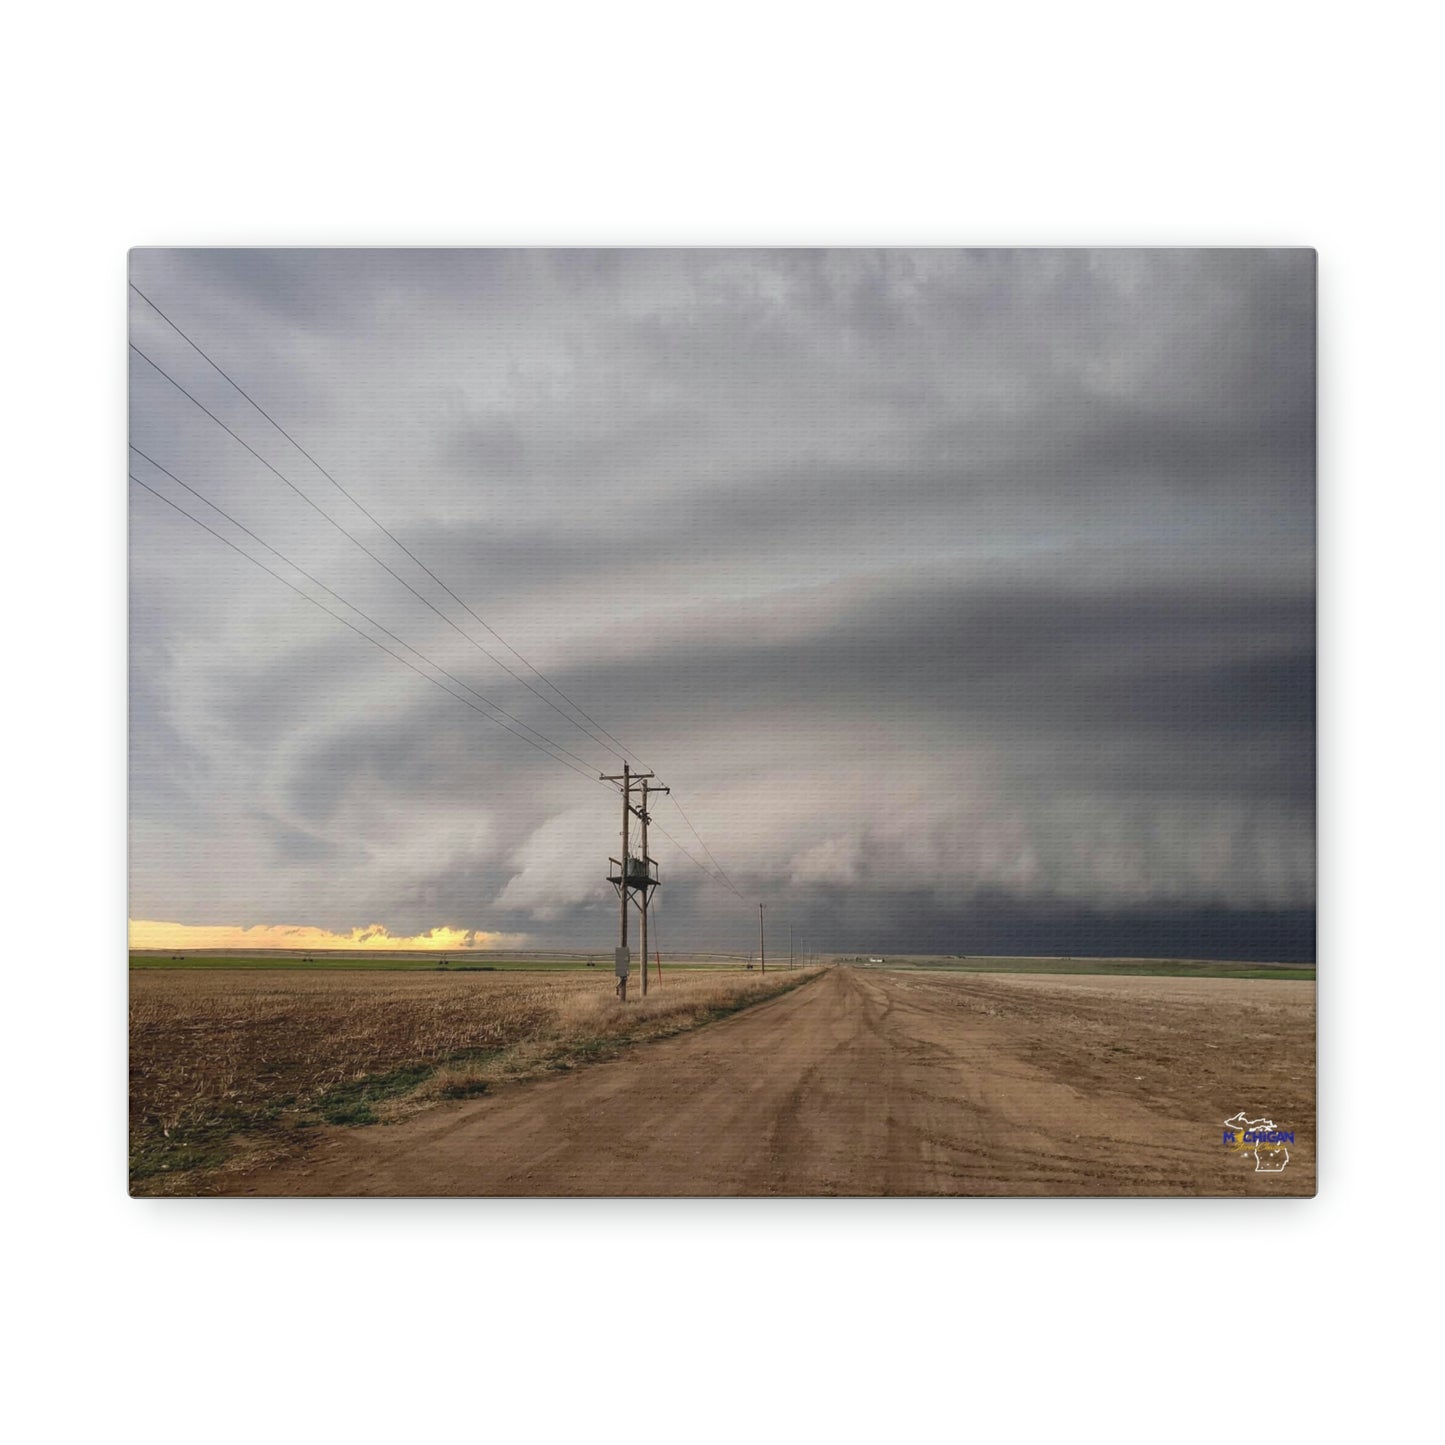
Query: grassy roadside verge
pixel 236 1074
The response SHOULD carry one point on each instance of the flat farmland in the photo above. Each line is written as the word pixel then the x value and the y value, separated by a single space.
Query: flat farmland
pixel 236 1067
pixel 870 1082
pixel 293 960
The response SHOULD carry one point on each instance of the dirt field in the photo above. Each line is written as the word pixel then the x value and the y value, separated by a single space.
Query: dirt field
pixel 875 1083
pixel 228 1065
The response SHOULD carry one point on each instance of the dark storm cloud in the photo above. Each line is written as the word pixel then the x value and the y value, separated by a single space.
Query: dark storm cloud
pixel 968 588
pixel 1195 670
pixel 1170 658
pixel 871 509
pixel 890 923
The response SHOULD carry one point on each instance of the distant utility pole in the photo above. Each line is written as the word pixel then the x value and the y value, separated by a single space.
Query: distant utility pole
pixel 635 878
pixel 792 960
pixel 762 944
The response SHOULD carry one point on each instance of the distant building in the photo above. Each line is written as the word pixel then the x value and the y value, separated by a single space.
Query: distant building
pixel 877 960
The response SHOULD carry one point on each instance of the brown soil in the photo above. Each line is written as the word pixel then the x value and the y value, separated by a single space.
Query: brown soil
pixel 878 1083
pixel 231 1068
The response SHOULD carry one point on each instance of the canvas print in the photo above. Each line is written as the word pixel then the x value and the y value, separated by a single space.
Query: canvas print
pixel 722 722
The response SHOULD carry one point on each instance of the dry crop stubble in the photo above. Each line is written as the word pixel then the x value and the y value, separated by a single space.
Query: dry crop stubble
pixel 230 1066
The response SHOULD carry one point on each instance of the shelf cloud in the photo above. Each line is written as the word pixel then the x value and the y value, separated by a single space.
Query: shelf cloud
pixel 965 599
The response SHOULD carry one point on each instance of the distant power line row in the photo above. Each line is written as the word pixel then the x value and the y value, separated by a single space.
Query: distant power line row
pixel 577 717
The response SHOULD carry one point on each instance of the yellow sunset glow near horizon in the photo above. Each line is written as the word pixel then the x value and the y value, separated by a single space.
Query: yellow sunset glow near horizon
pixel 150 933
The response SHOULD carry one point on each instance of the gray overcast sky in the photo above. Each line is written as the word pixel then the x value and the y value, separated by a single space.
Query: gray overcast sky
pixel 965 598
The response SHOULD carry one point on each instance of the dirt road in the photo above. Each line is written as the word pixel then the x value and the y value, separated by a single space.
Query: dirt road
pixel 878 1083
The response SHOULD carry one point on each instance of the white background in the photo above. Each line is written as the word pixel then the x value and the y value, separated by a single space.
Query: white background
pixel 168 124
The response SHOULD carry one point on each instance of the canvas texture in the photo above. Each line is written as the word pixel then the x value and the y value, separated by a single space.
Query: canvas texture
pixel 722 722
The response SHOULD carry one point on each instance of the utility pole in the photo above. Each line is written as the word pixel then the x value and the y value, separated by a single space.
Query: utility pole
pixel 762 944
pixel 634 876
pixel 792 961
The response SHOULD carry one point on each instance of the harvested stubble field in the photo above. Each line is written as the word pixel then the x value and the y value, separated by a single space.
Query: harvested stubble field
pixel 230 1068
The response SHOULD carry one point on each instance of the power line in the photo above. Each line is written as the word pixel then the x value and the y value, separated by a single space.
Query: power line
pixel 379 524
pixel 586 731
pixel 702 867
pixel 356 541
pixel 257 562
pixel 693 860
pixel 416 652
pixel 705 848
